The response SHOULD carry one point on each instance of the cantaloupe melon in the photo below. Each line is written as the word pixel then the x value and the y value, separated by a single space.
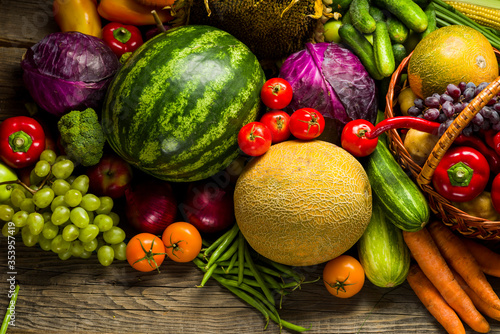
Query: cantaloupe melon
pixel 303 202
pixel 451 54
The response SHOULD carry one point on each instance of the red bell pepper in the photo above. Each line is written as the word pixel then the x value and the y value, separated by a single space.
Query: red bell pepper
pixel 495 192
pixel 121 38
pixel 462 174
pixel 22 140
pixel 489 153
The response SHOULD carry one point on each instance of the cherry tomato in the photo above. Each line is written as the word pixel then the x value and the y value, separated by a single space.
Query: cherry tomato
pixel 353 138
pixel 306 123
pixel 182 241
pixel 276 93
pixel 145 252
pixel 278 122
pixel 343 276
pixel 254 139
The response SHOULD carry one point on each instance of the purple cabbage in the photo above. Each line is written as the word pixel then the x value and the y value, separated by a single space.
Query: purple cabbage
pixel 331 79
pixel 68 71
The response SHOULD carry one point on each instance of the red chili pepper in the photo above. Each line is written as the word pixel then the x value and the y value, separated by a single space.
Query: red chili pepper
pixel 22 140
pixel 404 122
pixel 462 174
pixel 475 142
pixel 121 38
pixel 359 137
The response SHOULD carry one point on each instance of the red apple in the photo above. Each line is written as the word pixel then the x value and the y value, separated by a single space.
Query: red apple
pixel 110 177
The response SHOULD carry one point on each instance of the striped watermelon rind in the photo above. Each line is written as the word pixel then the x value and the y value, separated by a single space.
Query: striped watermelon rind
pixel 175 107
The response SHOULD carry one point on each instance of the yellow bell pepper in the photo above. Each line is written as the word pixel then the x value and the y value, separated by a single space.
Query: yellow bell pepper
pixel 131 12
pixel 78 15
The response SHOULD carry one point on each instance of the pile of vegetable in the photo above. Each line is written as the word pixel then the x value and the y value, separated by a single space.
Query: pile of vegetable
pixel 154 125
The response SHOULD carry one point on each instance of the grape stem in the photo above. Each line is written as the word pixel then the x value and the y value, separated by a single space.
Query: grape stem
pixel 20 183
pixel 25 186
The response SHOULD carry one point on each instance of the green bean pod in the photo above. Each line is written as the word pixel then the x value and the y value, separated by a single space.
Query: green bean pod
pixel 223 246
pixel 258 277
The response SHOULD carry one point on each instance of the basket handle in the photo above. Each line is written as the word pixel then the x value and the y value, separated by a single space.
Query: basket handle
pixel 455 128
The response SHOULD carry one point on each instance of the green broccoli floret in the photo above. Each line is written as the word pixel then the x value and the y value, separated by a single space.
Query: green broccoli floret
pixel 82 136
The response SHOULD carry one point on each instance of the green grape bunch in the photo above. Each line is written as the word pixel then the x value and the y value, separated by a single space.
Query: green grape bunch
pixel 57 213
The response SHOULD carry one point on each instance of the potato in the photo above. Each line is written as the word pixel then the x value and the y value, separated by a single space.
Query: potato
pixel 406 99
pixel 481 207
pixel 419 145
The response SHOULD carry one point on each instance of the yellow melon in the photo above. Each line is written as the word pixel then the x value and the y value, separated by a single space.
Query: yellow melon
pixel 451 54
pixel 303 202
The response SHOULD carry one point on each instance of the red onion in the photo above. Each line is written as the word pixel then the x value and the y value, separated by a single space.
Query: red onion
pixel 151 205
pixel 209 206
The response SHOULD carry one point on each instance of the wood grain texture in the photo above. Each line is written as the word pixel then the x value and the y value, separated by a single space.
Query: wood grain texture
pixel 81 296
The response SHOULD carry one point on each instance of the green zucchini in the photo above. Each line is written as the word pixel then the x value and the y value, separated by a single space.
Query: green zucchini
pixel 430 11
pixel 360 16
pixel 382 250
pixel 401 198
pixel 361 47
pixel 382 49
pixel 407 11
pixel 397 30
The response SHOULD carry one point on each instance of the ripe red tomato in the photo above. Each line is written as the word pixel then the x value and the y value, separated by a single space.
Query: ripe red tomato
pixel 254 139
pixel 306 123
pixel 278 122
pixel 353 138
pixel 182 241
pixel 276 93
pixel 145 252
pixel 343 276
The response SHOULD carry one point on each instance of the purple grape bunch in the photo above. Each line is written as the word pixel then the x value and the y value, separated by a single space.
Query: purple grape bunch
pixel 443 108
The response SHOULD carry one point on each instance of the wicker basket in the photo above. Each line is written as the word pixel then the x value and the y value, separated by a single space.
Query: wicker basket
pixel 457 220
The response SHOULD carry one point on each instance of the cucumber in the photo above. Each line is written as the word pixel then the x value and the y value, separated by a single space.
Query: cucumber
pixel 422 3
pixel 430 11
pixel 376 13
pixel 399 51
pixel 407 11
pixel 397 30
pixel 360 16
pixel 361 47
pixel 382 49
pixel 401 198
pixel 340 6
pixel 346 18
pixel 382 250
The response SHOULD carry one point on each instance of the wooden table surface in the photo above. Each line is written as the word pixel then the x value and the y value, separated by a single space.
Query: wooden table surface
pixel 81 296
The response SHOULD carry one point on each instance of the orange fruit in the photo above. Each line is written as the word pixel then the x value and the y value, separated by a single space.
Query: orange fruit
pixel 303 202
pixel 451 54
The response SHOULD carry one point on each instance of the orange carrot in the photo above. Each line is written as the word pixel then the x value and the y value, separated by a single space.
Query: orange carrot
pixel 459 258
pixel 434 266
pixel 433 301
pixel 480 304
pixel 488 260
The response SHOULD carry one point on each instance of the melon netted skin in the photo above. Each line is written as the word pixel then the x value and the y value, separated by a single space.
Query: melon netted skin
pixel 303 203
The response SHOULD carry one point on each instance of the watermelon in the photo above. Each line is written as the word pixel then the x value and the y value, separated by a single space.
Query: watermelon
pixel 176 106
